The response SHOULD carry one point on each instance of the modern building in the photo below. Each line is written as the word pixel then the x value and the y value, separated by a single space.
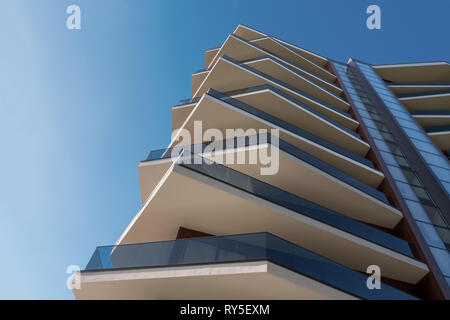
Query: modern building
pixel 350 173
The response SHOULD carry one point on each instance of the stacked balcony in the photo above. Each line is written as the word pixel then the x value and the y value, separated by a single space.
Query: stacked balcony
pixel 211 227
pixel 424 89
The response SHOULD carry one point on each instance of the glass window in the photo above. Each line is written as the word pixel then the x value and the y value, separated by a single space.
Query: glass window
pixel 383 127
pixel 373 78
pixel 431 236
pixel 400 114
pixel 412 178
pixel 421 193
pixel 350 90
pixel 365 100
pixel 441 173
pixel 388 136
pixel 364 113
pixel 402 161
pixel 434 159
pixel 445 236
pixel 359 105
pixel 416 134
pixel 369 123
pixel 446 186
pixel 375 133
pixel 389 98
pixel 388 158
pixel 406 191
pixel 395 106
pixel 417 211
pixel 376 117
pixel 381 145
pixel 395 149
pixel 376 81
pixel 434 215
pixel 425 146
pixel 397 173
pixel 443 260
pixel 357 100
pixel 380 87
pixel 371 108
pixel 408 124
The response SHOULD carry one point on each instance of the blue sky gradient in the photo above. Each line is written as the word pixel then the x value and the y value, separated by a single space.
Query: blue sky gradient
pixel 80 108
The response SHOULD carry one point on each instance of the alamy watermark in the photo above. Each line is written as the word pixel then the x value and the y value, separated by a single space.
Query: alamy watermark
pixel 74 279
pixel 374 280
pixel 228 149
pixel 374 20
pixel 74 20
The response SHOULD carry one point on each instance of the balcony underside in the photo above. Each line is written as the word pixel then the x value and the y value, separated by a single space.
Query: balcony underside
pixel 278 104
pixel 441 139
pixel 278 49
pixel 248 33
pixel 242 50
pixel 180 114
pixel 433 119
pixel 299 174
pixel 197 79
pixel 232 281
pixel 404 88
pixel 248 263
pixel 203 202
pixel 217 114
pixel 415 72
pixel 429 102
pixel 287 75
pixel 209 56
pixel 276 69
pixel 228 75
pixel 252 34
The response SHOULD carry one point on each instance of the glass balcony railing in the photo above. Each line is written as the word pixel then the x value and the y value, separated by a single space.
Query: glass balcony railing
pixel 223 145
pixel 432 129
pixel 202 70
pixel 430 112
pixel 239 248
pixel 186 102
pixel 299 205
pixel 281 145
pixel 424 94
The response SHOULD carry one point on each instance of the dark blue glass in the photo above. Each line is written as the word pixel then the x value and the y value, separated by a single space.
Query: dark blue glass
pixel 187 101
pixel 302 206
pixel 240 248
pixel 283 146
pixel 442 128
pixel 424 93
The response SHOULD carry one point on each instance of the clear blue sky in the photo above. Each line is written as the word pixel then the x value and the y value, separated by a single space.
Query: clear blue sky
pixel 80 109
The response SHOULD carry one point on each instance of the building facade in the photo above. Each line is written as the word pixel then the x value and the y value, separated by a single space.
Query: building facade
pixel 291 176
